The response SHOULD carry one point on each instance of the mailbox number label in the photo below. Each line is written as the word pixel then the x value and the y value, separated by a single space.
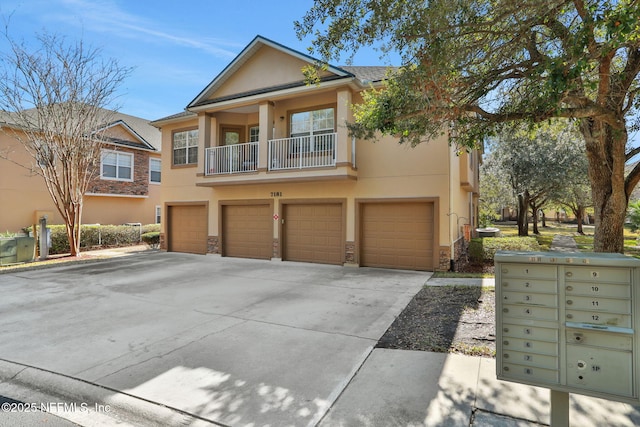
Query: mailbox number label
pixel 595 289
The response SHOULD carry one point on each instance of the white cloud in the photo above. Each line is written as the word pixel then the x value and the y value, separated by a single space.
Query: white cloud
pixel 106 16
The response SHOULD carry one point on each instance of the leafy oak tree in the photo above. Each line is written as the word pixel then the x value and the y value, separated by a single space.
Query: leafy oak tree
pixel 54 99
pixel 576 194
pixel 478 64
pixel 537 164
pixel 495 192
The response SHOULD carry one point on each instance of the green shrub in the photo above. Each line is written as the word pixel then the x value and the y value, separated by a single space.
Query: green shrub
pixel 150 228
pixel 152 239
pixel 475 250
pixel 96 236
pixel 633 215
pixel 119 235
pixel 483 249
pixel 59 240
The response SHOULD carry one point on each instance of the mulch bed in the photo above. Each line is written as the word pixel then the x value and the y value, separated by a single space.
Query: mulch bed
pixel 457 319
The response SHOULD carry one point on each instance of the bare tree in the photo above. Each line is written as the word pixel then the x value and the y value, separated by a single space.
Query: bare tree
pixel 54 99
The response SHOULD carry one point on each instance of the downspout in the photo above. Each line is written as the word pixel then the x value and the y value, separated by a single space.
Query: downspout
pixel 451 248
pixel 353 152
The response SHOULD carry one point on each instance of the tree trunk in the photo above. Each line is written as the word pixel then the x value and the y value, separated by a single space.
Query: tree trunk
pixel 606 155
pixel 72 222
pixel 523 207
pixel 580 218
pixel 544 219
pixel 579 211
pixel 534 213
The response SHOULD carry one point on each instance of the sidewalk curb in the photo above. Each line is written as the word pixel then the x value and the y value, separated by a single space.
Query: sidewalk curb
pixel 85 403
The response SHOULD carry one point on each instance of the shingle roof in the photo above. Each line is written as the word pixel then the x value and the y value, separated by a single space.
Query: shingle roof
pixel 374 73
pixel 142 127
pixel 180 115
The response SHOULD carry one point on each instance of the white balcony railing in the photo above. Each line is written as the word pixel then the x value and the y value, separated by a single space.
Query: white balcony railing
pixel 302 152
pixel 234 158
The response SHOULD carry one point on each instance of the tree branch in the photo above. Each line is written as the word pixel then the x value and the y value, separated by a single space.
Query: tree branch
pixel 632 180
pixel 588 23
pixel 630 154
pixel 590 111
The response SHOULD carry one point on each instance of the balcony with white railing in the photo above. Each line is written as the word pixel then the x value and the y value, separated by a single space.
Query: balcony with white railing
pixel 301 152
pixel 294 159
pixel 230 159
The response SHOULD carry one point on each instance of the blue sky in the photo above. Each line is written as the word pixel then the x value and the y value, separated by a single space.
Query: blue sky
pixel 176 48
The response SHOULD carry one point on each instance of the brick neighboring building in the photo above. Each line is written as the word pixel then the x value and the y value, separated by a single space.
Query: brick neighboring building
pixel 127 189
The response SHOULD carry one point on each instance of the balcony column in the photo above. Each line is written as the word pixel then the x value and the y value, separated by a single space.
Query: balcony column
pixel 344 115
pixel 265 134
pixel 204 138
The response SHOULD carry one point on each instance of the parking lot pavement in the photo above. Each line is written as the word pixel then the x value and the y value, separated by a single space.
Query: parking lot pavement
pixel 233 341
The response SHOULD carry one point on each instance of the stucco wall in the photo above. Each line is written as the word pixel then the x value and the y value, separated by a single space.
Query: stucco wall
pixel 266 68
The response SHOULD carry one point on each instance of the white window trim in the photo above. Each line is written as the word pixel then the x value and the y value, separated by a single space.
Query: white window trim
pixel 151 160
pixel 257 134
pixel 117 153
pixel 158 213
pixel 311 134
pixel 187 149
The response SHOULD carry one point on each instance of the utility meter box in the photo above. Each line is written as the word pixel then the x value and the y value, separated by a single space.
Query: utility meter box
pixel 569 322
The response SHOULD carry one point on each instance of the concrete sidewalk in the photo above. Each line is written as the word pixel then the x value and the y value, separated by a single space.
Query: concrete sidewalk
pixel 416 388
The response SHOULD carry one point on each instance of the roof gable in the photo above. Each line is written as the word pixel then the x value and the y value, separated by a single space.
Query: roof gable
pixel 120 133
pixel 262 66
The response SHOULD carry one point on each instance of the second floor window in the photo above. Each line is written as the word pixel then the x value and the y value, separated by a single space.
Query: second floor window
pixel 309 126
pixel 116 165
pixel 185 147
pixel 254 133
pixel 154 170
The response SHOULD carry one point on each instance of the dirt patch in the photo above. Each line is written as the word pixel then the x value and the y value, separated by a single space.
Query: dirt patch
pixel 456 319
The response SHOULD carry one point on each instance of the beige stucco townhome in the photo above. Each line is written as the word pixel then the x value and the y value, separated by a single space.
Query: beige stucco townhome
pixel 126 189
pixel 261 165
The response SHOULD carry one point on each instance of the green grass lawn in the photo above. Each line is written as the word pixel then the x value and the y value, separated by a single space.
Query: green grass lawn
pixel 584 242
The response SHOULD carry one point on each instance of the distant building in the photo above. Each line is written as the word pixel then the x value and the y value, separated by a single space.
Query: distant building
pixel 126 191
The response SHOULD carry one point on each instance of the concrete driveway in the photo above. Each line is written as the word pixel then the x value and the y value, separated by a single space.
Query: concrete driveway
pixel 233 341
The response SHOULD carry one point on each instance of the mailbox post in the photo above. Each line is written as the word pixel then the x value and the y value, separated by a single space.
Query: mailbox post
pixel 569 322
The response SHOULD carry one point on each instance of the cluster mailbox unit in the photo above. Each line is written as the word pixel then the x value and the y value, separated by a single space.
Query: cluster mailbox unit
pixel 569 322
